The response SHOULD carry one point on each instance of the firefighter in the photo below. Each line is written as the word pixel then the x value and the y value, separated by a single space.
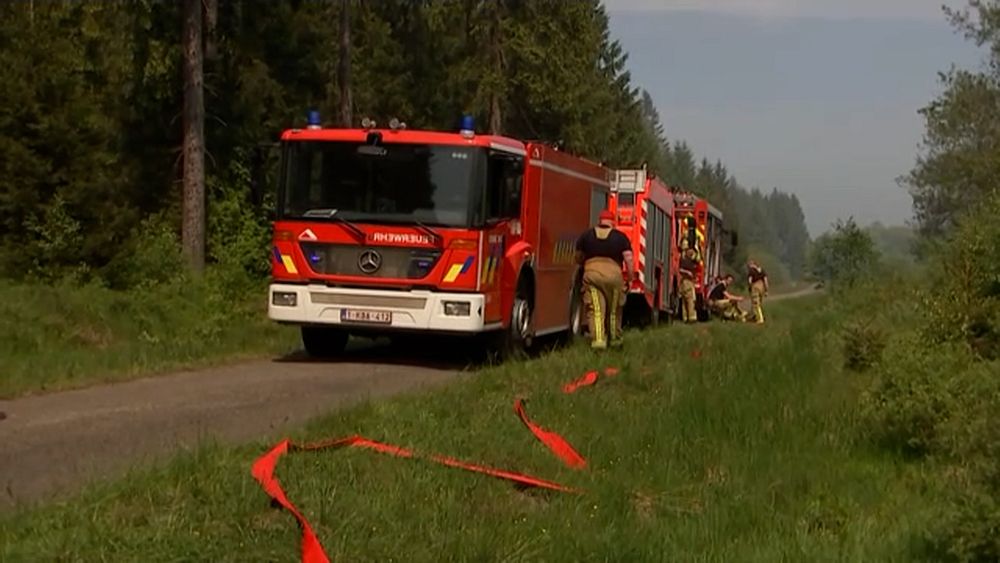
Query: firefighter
pixel 688 271
pixel 603 251
pixel 725 304
pixel 757 280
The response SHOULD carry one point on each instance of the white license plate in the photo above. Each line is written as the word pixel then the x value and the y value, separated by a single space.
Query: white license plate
pixel 358 316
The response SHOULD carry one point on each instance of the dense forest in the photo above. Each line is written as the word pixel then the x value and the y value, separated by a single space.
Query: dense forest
pixel 92 122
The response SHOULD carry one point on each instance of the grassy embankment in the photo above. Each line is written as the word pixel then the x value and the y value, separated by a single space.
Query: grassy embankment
pixel 56 338
pixel 63 337
pixel 752 452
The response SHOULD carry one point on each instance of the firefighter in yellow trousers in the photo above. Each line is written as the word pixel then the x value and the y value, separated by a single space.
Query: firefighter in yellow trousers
pixel 689 298
pixel 603 251
pixel 757 280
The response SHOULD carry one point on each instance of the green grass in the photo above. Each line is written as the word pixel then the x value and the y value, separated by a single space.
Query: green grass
pixel 63 337
pixel 751 453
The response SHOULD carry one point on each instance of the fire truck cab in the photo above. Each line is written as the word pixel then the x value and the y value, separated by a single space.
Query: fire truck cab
pixel 380 231
pixel 698 225
pixel 644 207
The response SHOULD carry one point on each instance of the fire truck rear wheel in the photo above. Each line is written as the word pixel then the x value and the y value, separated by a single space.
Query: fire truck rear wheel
pixel 323 342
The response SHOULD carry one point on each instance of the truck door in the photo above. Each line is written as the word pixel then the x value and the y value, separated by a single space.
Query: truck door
pixel 501 213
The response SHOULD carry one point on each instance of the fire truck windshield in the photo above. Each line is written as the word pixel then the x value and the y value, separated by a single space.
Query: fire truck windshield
pixel 393 182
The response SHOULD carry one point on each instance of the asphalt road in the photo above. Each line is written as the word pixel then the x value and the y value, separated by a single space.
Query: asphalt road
pixel 52 444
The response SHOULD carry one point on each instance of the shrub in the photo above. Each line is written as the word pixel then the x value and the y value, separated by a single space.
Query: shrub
pixel 914 393
pixel 863 343
pixel 964 305
pixel 152 256
pixel 844 257
pixel 970 444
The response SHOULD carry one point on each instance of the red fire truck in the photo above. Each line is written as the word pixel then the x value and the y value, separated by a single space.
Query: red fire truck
pixel 698 225
pixel 644 209
pixel 381 231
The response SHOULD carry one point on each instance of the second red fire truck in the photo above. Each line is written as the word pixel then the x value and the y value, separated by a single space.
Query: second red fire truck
pixel 382 231
pixel 663 223
pixel 644 207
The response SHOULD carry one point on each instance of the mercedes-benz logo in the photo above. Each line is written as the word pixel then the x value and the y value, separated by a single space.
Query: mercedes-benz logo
pixel 370 261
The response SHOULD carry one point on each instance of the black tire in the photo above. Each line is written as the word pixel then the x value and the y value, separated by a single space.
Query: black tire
pixel 323 342
pixel 577 330
pixel 674 304
pixel 515 341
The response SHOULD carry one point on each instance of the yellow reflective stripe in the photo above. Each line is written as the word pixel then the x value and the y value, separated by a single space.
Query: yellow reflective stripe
pixel 613 310
pixel 598 315
pixel 453 272
pixel 289 264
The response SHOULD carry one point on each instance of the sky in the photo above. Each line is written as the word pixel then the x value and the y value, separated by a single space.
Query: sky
pixel 819 98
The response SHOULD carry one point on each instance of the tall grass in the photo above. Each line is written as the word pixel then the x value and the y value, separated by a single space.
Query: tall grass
pixel 748 452
pixel 57 337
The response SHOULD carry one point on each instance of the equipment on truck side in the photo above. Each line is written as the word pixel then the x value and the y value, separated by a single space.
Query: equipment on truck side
pixel 697 225
pixel 644 209
pixel 381 231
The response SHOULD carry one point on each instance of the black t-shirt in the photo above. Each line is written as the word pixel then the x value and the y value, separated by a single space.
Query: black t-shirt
pixel 757 274
pixel 718 292
pixel 613 247
pixel 690 265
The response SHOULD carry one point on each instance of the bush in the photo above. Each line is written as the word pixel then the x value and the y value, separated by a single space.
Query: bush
pixel 964 305
pixel 863 343
pixel 151 257
pixel 970 444
pixel 915 392
pixel 844 257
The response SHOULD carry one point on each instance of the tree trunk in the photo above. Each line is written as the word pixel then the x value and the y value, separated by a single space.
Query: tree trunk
pixel 344 68
pixel 496 60
pixel 193 228
pixel 211 21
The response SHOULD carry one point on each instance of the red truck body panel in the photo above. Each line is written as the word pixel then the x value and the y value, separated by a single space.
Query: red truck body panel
pixel 644 208
pixel 561 196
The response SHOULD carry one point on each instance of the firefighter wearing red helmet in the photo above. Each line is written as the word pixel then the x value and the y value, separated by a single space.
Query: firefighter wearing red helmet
pixel 603 250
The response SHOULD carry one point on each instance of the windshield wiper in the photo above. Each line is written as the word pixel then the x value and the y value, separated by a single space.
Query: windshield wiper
pixel 331 214
pixel 435 236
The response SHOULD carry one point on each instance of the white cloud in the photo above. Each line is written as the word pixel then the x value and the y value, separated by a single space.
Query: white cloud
pixel 768 9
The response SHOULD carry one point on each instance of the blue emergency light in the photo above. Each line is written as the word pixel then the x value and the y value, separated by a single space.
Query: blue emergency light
pixel 313 119
pixel 468 126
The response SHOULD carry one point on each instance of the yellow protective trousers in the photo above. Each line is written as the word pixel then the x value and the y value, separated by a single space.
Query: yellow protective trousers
pixel 604 298
pixel 757 300
pixel 689 299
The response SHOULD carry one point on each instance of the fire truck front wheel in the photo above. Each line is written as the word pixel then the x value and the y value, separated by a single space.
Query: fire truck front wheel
pixel 323 342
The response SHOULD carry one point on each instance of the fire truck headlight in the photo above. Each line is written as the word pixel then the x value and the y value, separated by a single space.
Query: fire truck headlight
pixel 457 308
pixel 284 298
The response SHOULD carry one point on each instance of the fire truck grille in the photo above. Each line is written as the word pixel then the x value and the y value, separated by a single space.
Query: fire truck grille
pixel 375 261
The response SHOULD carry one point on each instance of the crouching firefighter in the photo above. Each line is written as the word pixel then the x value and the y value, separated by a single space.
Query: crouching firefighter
pixel 603 251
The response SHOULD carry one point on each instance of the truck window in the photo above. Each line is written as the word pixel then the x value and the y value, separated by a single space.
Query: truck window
pixel 626 199
pixel 505 179
pixel 395 182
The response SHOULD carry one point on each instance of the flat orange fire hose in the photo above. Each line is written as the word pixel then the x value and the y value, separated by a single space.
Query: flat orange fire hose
pixel 312 551
pixel 588 379
pixel 553 441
